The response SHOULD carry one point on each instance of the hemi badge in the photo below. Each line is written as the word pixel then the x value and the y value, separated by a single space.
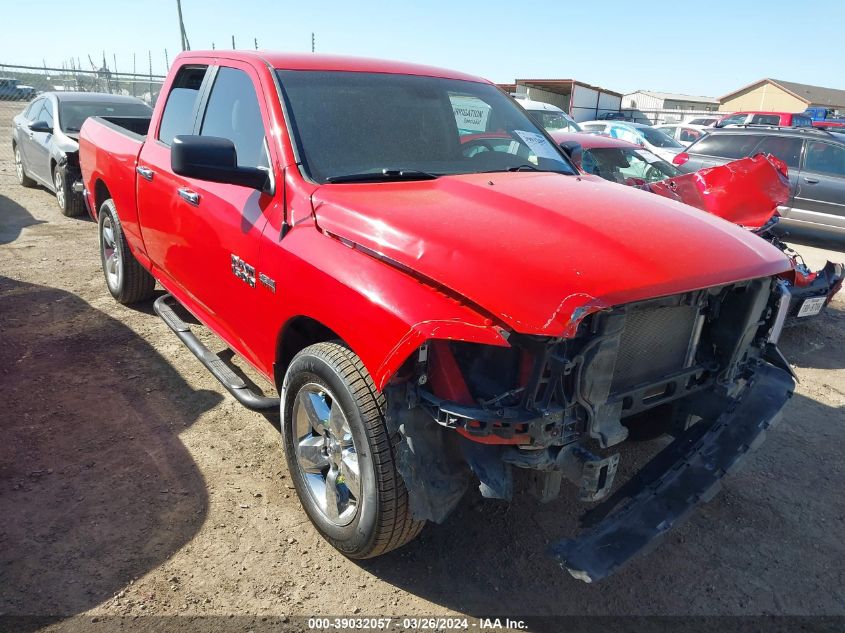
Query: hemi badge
pixel 267 282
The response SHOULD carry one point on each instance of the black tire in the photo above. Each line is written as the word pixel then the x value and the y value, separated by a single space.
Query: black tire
pixel 130 282
pixel 383 519
pixel 20 170
pixel 70 203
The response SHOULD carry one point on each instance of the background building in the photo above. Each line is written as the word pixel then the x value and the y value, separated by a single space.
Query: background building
pixel 774 95
pixel 580 100
pixel 648 100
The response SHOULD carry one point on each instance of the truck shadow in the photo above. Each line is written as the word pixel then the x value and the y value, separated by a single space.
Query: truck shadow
pixel 13 219
pixel 96 487
pixel 762 545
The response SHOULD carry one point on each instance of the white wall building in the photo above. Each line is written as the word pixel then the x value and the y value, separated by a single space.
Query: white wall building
pixel 646 100
pixel 580 100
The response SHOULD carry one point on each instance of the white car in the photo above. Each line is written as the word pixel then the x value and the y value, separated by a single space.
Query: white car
pixel 684 133
pixel 549 116
pixel 639 134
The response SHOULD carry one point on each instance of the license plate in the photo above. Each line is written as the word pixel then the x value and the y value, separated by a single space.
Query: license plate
pixel 811 306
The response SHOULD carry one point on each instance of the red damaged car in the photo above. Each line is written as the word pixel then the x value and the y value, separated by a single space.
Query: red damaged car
pixel 435 312
pixel 746 191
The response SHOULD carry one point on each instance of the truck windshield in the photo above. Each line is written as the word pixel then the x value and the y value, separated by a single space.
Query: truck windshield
pixel 72 114
pixel 350 124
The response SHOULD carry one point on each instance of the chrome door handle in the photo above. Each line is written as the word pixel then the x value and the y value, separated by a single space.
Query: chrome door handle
pixel 811 181
pixel 191 197
pixel 145 172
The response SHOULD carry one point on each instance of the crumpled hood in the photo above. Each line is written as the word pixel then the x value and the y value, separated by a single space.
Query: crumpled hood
pixel 747 191
pixel 537 251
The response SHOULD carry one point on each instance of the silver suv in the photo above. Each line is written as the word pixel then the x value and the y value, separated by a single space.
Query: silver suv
pixel 816 160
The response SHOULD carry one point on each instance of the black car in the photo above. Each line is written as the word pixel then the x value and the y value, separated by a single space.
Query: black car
pixel 816 160
pixel 612 116
pixel 45 140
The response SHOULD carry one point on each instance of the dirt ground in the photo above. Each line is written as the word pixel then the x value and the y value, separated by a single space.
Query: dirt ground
pixel 132 484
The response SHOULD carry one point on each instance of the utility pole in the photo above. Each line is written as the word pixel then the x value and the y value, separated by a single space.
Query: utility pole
pixel 312 41
pixel 233 42
pixel 186 45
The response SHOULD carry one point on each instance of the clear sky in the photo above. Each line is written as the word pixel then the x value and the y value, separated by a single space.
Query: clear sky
pixel 702 48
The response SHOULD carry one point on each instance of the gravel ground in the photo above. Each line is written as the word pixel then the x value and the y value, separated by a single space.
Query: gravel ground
pixel 132 484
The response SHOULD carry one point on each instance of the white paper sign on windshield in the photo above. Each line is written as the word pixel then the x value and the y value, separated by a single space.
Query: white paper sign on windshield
pixel 470 113
pixel 538 144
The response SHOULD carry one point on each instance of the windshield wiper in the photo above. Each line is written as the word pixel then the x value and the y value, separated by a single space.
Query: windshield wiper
pixel 385 175
pixel 523 167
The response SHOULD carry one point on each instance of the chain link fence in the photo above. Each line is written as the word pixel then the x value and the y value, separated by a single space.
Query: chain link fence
pixel 24 83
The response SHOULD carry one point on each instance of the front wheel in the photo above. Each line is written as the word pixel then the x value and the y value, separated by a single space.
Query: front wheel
pixel 127 280
pixel 70 203
pixel 340 453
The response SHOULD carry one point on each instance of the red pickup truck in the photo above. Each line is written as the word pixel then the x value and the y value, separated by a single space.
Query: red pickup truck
pixel 436 312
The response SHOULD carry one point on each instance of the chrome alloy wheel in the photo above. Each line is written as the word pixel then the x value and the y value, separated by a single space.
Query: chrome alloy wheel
pixel 111 254
pixel 325 454
pixel 60 188
pixel 18 165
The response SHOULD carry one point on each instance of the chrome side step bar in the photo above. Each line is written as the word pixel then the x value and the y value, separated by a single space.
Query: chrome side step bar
pixel 219 369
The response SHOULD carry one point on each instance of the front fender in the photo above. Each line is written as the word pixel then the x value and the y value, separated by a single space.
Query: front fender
pixel 381 312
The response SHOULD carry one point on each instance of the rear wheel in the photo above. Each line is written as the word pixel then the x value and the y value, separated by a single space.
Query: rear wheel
pixel 340 454
pixel 20 170
pixel 70 203
pixel 127 280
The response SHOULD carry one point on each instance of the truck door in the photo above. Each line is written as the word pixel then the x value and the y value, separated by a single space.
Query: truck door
pixel 208 234
pixel 820 195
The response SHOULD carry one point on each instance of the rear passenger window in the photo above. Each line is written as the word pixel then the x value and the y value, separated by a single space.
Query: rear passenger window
pixel 181 107
pixel 766 119
pixel 825 158
pixel 688 135
pixel 233 113
pixel 787 149
pixel 726 145
pixel 736 119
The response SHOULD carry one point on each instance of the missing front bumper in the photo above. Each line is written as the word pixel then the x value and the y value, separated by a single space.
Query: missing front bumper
pixel 686 473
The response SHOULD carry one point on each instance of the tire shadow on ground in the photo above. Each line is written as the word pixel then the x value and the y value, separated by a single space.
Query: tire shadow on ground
pixel 96 487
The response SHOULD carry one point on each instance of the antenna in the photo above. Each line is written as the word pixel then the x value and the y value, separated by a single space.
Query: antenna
pixel 233 42
pixel 186 45
pixel 256 43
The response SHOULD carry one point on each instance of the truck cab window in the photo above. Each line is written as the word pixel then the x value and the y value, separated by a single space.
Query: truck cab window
pixel 233 113
pixel 180 110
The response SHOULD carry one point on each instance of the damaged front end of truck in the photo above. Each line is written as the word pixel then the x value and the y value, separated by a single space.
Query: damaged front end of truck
pixel 700 366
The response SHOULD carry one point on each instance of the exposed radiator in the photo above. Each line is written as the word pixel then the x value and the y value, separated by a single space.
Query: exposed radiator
pixel 654 343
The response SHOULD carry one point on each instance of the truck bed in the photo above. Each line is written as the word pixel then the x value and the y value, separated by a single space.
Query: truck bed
pixel 108 153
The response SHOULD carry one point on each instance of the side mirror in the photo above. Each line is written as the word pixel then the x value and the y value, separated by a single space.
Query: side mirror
pixel 41 126
pixel 214 159
pixel 574 150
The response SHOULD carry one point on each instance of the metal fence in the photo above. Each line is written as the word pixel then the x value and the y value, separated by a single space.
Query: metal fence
pixel 23 83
